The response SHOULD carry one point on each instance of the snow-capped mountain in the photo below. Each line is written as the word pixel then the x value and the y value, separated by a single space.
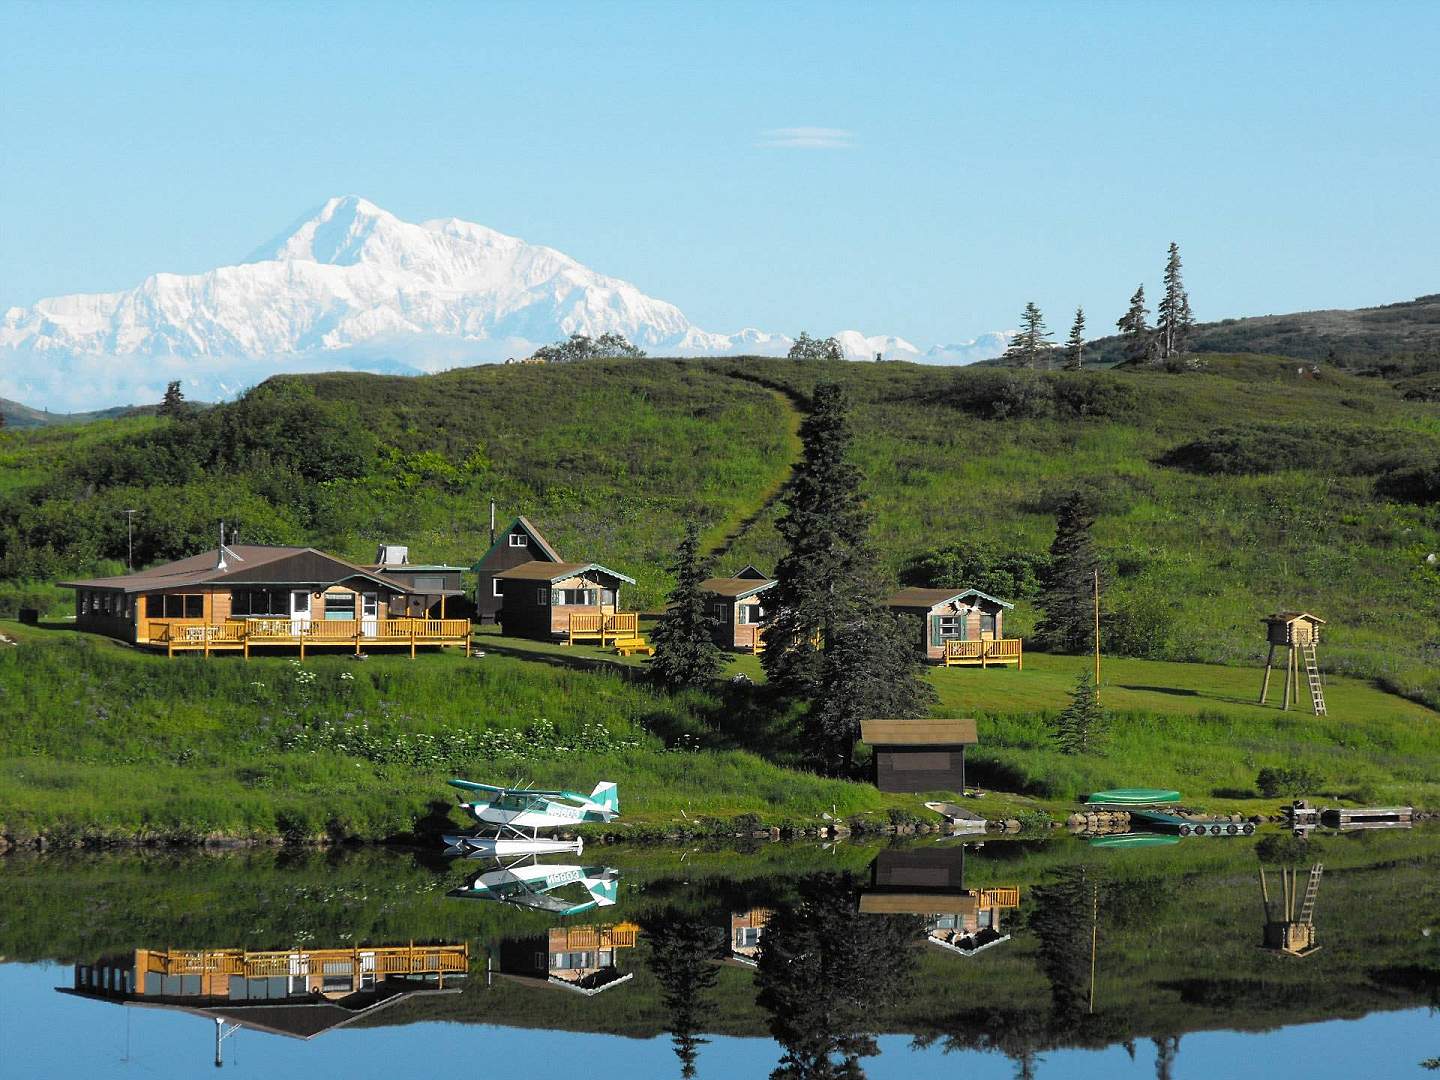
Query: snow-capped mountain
pixel 351 286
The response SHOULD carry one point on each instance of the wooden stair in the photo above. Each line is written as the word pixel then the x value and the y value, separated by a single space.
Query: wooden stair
pixel 1312 889
pixel 1312 674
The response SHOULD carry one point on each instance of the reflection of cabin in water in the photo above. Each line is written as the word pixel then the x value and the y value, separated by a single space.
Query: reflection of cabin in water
pixel 746 930
pixel 734 605
pixel 296 992
pixel 930 882
pixel 583 959
pixel 960 627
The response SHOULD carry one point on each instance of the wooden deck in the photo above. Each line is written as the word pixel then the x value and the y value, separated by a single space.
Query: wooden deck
pixel 240 635
pixel 382 960
pixel 994 653
pixel 606 628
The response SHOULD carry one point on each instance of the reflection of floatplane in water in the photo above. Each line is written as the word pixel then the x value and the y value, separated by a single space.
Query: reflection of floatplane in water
pixel 518 815
pixel 531 886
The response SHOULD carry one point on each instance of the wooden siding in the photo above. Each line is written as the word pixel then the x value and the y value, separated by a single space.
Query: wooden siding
pixel 502 557
pixel 912 769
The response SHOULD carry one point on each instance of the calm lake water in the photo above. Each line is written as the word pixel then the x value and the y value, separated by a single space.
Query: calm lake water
pixel 1001 959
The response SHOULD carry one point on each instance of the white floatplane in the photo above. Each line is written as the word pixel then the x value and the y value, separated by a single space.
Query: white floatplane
pixel 530 886
pixel 518 815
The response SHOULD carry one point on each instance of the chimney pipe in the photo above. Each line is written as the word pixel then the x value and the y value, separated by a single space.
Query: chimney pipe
pixel 492 522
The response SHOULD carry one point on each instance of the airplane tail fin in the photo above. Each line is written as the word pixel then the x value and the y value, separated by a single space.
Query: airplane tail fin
pixel 603 892
pixel 606 794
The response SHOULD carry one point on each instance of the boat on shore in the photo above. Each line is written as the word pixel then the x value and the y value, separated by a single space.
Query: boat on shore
pixel 1122 797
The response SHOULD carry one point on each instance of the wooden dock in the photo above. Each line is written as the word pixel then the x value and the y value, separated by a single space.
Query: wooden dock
pixel 1304 817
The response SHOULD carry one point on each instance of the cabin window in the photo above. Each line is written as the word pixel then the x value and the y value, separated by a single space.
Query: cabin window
pixel 747 937
pixel 607 596
pixel 519 540
pixel 577 597
pixel 429 584
pixel 572 961
pixel 542 596
pixel 260 602
pixel 987 624
pixel 751 614
pixel 722 612
pixel 340 605
pixel 495 587
pixel 181 606
pixel 952 626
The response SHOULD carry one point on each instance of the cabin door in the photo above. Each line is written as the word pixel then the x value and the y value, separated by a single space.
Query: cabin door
pixel 369 614
pixel 299 611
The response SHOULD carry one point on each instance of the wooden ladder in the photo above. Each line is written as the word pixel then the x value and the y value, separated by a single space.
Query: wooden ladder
pixel 1307 907
pixel 1312 673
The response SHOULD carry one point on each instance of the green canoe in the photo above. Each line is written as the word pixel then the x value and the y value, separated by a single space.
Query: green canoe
pixel 1133 797
pixel 1133 839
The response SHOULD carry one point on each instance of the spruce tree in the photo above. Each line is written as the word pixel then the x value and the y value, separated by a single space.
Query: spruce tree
pixel 1134 328
pixel 1075 347
pixel 173 403
pixel 1079 728
pixel 829 642
pixel 1173 317
pixel 1068 596
pixel 685 653
pixel 1030 347
pixel 683 950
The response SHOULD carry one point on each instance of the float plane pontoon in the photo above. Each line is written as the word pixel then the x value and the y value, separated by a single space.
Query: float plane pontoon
pixel 530 886
pixel 518 814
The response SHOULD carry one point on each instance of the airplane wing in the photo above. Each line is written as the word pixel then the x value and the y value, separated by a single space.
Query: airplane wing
pixel 467 785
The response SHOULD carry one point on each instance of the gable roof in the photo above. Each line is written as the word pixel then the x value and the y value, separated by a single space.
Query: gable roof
pixel 736 588
pixel 749 571
pixel 929 598
pixel 246 564
pixel 557 571
pixel 551 555
pixel 1294 616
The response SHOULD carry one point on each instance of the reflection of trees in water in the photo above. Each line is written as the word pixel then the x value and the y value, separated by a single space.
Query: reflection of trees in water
pixel 682 953
pixel 822 968
pixel 1167 1049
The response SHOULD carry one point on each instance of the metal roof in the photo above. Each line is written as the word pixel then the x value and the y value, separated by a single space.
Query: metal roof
pixel 245 565
pixel 928 598
pixel 530 530
pixel 556 571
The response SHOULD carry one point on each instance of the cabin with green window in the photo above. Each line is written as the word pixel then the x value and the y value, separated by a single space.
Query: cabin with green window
pixel 558 601
pixel 963 627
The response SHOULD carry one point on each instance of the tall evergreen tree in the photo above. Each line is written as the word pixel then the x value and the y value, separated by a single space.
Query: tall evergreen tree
pixel 828 640
pixel 1030 347
pixel 173 403
pixel 1075 347
pixel 1173 317
pixel 685 653
pixel 1135 329
pixel 682 954
pixel 1068 595
pixel 1079 728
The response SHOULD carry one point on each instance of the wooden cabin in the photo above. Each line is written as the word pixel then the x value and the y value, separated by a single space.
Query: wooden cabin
pixel 930 882
pixel 548 601
pixel 746 929
pixel 735 605
pixel 582 959
pixel 431 585
pixel 919 755
pixel 251 595
pixel 1295 628
pixel 519 543
pixel 301 993
pixel 960 627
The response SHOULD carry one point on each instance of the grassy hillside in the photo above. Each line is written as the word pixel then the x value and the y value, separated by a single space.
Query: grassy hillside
pixel 1407 331
pixel 1223 495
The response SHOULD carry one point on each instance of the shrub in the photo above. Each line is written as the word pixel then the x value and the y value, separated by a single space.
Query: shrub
pixel 1413 483
pixel 1139 626
pixel 1296 779
pixel 1010 575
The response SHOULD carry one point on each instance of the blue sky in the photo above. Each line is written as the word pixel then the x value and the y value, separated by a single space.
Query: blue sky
pixel 920 169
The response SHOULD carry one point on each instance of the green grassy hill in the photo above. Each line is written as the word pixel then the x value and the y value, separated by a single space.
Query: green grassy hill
pixel 1223 494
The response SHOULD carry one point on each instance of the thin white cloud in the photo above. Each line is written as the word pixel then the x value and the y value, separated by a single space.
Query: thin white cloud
pixel 807 138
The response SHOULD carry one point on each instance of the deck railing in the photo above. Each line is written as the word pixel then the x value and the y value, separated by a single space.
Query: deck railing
pixel 179 635
pixel 601 627
pixel 1006 896
pixel 620 936
pixel 383 960
pixel 984 653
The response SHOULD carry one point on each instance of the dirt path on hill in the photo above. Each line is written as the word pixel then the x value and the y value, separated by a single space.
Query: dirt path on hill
pixel 722 537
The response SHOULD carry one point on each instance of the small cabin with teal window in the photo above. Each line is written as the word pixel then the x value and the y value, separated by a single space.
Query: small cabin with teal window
pixel 736 608
pixel 959 615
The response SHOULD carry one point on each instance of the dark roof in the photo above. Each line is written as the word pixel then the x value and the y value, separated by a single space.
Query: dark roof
pixel 556 571
pixel 736 588
pixel 246 564
pixel 929 598
pixel 749 571
pixel 539 541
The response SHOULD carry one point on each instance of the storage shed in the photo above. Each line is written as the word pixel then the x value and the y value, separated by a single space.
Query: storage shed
pixel 919 755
